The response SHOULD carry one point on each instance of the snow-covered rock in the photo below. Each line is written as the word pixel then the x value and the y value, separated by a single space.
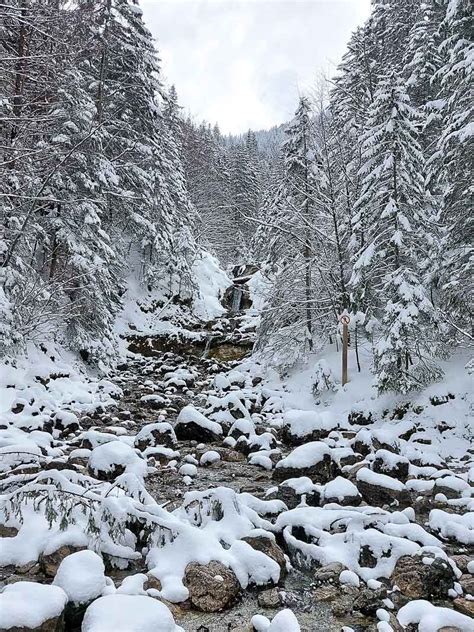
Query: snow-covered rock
pixel 114 458
pixel 130 613
pixel 32 606
pixel 82 576
pixel 430 618
pixel 151 435
pixel 193 425
pixel 312 459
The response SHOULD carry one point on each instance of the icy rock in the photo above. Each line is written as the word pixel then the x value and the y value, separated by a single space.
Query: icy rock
pixel 212 587
pixel 193 425
pixel 133 613
pixel 151 435
pixel 312 459
pixel 82 576
pixel 419 580
pixel 270 548
pixel 32 607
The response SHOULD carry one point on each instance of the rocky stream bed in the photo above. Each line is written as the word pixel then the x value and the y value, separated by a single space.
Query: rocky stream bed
pixel 355 515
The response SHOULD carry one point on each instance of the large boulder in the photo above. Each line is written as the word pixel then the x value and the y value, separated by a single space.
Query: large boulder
pixel 423 577
pixel 32 607
pixel 212 587
pixel 82 577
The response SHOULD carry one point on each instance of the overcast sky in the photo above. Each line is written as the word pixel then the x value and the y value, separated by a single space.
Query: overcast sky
pixel 242 63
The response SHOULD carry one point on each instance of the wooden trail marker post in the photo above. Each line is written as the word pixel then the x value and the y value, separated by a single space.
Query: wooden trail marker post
pixel 345 320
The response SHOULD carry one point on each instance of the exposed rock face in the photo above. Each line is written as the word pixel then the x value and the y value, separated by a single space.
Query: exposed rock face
pixel 212 587
pixel 270 548
pixel 417 580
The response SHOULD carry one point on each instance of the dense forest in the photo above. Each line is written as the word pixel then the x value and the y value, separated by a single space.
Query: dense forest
pixel 366 208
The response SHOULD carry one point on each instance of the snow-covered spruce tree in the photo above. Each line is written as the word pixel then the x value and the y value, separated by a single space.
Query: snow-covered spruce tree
pixel 288 324
pixel 34 53
pixel 454 161
pixel 145 204
pixel 391 225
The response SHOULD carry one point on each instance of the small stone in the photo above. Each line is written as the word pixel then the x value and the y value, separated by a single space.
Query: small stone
pixel 152 582
pixel 329 573
pixel 464 606
pixel 327 592
pixel 467 583
pixel 269 598
pixel 212 587
pixel 7 532
pixel 461 560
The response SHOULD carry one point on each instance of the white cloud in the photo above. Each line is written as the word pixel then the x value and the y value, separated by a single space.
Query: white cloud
pixel 243 63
